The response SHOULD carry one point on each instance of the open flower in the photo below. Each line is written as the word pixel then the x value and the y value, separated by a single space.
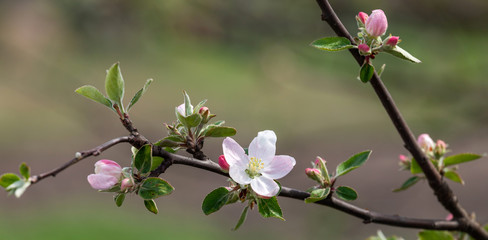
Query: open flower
pixel 107 174
pixel 261 166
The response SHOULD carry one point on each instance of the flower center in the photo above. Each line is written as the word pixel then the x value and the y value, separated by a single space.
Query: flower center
pixel 254 167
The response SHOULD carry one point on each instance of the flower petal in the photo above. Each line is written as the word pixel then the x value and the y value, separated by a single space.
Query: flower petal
pixel 263 146
pixel 238 173
pixel 279 167
pixel 181 110
pixel 234 153
pixel 264 186
pixel 108 167
pixel 101 181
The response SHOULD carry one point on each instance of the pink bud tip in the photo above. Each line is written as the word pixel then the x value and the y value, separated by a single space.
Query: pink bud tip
pixel 364 49
pixel 376 24
pixel 223 163
pixel 125 184
pixel 202 110
pixel 362 17
pixel 312 171
pixel 449 217
pixel 318 160
pixel 403 158
pixel 392 41
pixel 426 143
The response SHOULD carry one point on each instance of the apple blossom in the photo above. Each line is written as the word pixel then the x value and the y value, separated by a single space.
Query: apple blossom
pixel 314 174
pixel 376 24
pixel 181 109
pixel 261 166
pixel 426 143
pixel 362 16
pixel 107 174
pixel 392 41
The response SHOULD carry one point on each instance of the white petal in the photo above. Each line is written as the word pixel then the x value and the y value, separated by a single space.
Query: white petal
pixel 181 110
pixel 265 186
pixel 238 173
pixel 279 167
pixel 234 153
pixel 263 146
pixel 101 181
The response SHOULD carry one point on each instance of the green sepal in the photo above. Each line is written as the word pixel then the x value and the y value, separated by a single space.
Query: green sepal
pixel 139 94
pixel 143 159
pixel 346 193
pixel 8 178
pixel 460 158
pixel 242 218
pixel 453 176
pixel 188 110
pixel 114 85
pixel 317 195
pixel 332 44
pixel 324 171
pixel 151 206
pixel 435 235
pixel 154 187
pixel 215 200
pixel 401 53
pixel 94 94
pixel 352 163
pixel 119 199
pixel 415 167
pixel 219 131
pixel 408 183
pixel 270 208
pixel 24 171
pixel 115 188
pixel 366 72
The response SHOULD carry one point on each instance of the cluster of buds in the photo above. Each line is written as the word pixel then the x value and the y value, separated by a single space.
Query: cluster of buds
pixel 109 174
pixel 319 172
pixel 437 149
pixel 371 28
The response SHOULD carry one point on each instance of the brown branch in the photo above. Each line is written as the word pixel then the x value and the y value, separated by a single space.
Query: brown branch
pixel 443 192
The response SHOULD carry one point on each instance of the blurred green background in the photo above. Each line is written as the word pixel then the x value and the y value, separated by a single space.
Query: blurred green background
pixel 252 61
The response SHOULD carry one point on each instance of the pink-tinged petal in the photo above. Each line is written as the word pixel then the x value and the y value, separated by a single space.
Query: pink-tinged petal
pixel 238 174
pixel 234 153
pixel 181 110
pixel 362 17
pixel 279 167
pixel 264 186
pixel 426 143
pixel 223 163
pixel 263 146
pixel 108 167
pixel 101 181
pixel 125 184
pixel 376 24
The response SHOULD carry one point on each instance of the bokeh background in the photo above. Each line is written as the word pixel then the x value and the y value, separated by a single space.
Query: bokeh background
pixel 252 61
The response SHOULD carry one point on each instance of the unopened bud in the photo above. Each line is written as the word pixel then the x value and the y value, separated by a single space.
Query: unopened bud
pixel 376 24
pixel 364 49
pixel 125 184
pixel 362 17
pixel 223 163
pixel 440 148
pixel 403 158
pixel 392 41
pixel 314 174
pixel 202 110
pixel 426 143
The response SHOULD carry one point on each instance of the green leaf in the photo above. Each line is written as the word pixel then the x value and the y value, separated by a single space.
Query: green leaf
pixel 188 110
pixel 151 206
pixel 24 171
pixel 7 179
pixel 241 219
pixel 139 94
pixel 156 162
pixel 270 208
pixel 218 131
pixel 94 94
pixel 453 176
pixel 435 235
pixel 317 195
pixel 154 187
pixel 193 120
pixel 215 200
pixel 219 123
pixel 366 73
pixel 415 167
pixel 332 44
pixel 352 163
pixel 143 159
pixel 382 69
pixel 167 143
pixel 401 53
pixel 114 85
pixel 346 193
pixel 460 158
pixel 410 182
pixel 119 199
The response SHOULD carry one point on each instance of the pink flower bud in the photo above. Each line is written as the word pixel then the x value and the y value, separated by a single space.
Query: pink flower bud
pixel 403 158
pixel 314 174
pixel 440 148
pixel 376 24
pixel 426 143
pixel 223 163
pixel 318 160
pixel 125 184
pixel 108 167
pixel 449 217
pixel 107 174
pixel 364 49
pixel 362 16
pixel 392 41
pixel 203 110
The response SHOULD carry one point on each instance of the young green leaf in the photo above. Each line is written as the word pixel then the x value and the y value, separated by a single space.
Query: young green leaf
pixel 401 53
pixel 410 182
pixel 7 179
pixel 453 176
pixel 366 73
pixel 143 159
pixel 156 162
pixel 154 187
pixel 188 107
pixel 352 163
pixel 119 199
pixel 24 171
pixel 151 206
pixel 270 208
pixel 415 167
pixel 241 219
pixel 460 158
pixel 435 235
pixel 114 85
pixel 94 94
pixel 193 120
pixel 218 131
pixel 139 94
pixel 317 195
pixel 215 200
pixel 332 44
pixel 346 193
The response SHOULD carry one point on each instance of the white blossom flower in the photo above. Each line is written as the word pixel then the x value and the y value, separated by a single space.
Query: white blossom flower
pixel 261 166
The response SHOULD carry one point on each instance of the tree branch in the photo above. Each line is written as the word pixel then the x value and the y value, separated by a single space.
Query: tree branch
pixel 443 192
